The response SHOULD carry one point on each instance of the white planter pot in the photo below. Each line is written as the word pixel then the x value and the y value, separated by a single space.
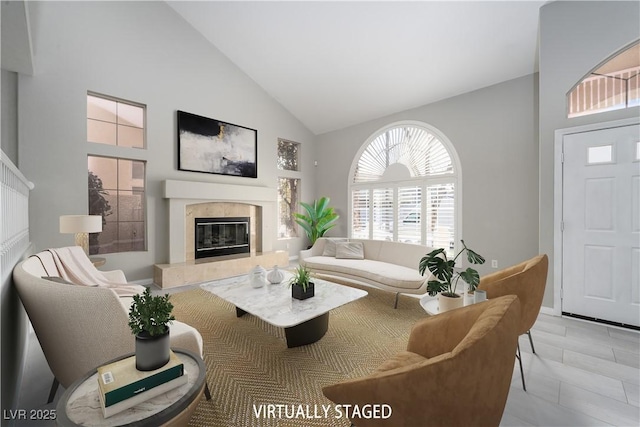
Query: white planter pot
pixel 449 303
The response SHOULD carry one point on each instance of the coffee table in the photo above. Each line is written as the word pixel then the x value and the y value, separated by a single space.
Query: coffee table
pixel 304 322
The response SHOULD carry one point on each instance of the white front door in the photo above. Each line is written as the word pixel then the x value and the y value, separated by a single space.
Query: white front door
pixel 601 223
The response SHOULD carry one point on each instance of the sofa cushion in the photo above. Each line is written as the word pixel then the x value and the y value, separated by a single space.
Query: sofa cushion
pixel 388 274
pixel 330 246
pixel 349 250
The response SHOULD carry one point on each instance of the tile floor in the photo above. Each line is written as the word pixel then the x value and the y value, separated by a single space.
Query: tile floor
pixel 582 374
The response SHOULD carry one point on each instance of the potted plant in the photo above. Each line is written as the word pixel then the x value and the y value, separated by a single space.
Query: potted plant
pixel 319 219
pixel 149 319
pixel 301 285
pixel 446 277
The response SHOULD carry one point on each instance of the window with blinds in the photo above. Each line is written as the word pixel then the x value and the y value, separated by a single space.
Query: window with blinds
pixel 382 225
pixel 360 204
pixel 409 209
pixel 439 219
pixel 403 188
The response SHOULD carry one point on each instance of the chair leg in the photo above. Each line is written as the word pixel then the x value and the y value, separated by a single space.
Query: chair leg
pixel 396 303
pixel 531 342
pixel 54 389
pixel 207 393
pixel 519 357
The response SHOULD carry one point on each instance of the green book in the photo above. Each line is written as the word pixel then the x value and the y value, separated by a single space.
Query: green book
pixel 121 380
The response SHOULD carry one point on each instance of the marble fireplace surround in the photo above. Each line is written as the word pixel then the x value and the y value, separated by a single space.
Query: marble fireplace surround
pixel 188 200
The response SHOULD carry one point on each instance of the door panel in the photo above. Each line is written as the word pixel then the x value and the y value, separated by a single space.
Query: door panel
pixel 601 219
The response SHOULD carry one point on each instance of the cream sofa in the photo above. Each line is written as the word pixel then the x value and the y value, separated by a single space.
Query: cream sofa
pixel 82 327
pixel 391 266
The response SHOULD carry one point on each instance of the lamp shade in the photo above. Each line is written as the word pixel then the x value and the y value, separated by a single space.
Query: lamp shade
pixel 80 224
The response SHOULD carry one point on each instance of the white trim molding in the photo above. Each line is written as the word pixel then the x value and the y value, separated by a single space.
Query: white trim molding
pixel 184 193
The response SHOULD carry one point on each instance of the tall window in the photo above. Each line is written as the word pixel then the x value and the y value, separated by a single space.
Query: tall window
pixel 115 122
pixel 403 187
pixel 117 192
pixel 117 185
pixel 288 188
pixel 612 86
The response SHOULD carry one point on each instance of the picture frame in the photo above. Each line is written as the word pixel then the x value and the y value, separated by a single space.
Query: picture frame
pixel 212 146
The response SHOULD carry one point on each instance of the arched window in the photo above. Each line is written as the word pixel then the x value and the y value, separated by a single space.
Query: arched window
pixel 611 86
pixel 404 186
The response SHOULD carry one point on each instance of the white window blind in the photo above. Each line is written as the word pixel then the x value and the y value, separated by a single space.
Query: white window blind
pixel 420 151
pixel 360 203
pixel 383 208
pixel 409 214
pixel 440 216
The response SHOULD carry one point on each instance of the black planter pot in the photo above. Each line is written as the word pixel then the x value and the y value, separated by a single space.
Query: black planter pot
pixel 298 293
pixel 152 352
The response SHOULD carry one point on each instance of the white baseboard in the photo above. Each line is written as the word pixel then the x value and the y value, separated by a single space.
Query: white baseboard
pixel 143 282
pixel 549 311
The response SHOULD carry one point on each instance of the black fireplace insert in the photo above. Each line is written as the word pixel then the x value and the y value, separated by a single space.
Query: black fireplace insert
pixel 222 236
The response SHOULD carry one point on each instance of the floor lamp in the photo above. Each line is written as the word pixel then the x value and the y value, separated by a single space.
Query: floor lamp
pixel 81 225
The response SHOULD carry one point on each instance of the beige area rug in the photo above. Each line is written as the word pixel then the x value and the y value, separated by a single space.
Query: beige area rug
pixel 248 362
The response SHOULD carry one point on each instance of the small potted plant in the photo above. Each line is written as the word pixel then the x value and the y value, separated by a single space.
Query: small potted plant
pixel 149 319
pixel 301 285
pixel 447 277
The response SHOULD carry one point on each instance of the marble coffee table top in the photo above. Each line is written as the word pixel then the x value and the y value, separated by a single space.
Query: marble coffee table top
pixel 274 304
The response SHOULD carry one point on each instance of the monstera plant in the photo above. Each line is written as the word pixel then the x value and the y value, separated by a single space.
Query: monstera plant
pixel 318 220
pixel 443 269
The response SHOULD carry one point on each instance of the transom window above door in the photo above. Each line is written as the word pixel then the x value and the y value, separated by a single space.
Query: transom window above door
pixel 404 185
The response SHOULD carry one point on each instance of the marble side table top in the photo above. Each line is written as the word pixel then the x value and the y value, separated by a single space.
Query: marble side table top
pixel 274 304
pixel 80 404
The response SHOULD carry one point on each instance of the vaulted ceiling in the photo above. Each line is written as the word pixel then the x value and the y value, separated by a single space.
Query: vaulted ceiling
pixel 334 64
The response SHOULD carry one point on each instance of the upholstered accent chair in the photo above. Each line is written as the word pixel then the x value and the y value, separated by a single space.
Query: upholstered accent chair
pixel 527 280
pixel 82 327
pixel 456 370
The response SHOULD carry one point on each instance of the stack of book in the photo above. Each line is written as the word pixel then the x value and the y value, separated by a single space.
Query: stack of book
pixel 121 386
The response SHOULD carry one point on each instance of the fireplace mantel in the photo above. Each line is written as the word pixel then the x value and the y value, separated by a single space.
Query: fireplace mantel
pixel 184 193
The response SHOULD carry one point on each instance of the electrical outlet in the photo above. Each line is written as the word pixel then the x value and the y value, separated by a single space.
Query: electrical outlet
pixel 287 246
pixel 494 263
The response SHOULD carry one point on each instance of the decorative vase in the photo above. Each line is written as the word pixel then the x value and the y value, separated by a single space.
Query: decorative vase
pixel 257 276
pixel 275 276
pixel 151 352
pixel 446 303
pixel 298 293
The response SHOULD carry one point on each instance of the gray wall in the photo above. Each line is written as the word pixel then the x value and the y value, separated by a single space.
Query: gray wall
pixel 494 131
pixel 9 112
pixel 143 52
pixel 575 37
pixel 13 320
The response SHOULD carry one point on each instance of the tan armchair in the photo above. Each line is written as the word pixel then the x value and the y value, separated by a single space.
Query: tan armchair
pixel 527 280
pixel 82 327
pixel 456 370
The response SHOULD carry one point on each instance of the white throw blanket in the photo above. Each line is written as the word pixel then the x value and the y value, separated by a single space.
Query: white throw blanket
pixel 75 267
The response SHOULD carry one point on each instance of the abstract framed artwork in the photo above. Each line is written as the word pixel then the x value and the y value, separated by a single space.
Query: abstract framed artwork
pixel 212 146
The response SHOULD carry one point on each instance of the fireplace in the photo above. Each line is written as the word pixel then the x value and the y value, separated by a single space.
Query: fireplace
pixel 221 236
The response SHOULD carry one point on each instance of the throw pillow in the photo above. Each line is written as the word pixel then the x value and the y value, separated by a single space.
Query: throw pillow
pixel 350 250
pixel 330 246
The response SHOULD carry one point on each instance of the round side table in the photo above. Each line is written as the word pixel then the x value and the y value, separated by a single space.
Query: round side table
pixel 430 304
pixel 80 404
